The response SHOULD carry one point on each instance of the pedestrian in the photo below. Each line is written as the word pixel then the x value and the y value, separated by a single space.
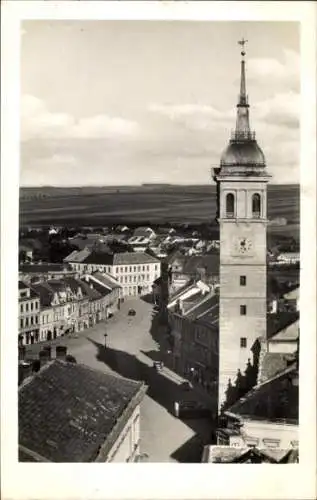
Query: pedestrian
pixel 105 335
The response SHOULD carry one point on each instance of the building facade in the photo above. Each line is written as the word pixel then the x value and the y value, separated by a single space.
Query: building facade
pixel 242 215
pixel 134 271
pixel 29 315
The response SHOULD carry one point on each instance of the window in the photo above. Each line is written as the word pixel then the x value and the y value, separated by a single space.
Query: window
pixel 147 268
pixel 31 306
pixel 26 307
pixel 256 205
pixel 243 280
pixel 155 267
pixel 143 268
pixel 21 308
pixel 134 268
pixel 243 310
pixel 21 323
pixel 31 319
pixel 130 269
pixel 243 342
pixel 230 205
pixel 36 320
pixel 26 321
pixel 126 269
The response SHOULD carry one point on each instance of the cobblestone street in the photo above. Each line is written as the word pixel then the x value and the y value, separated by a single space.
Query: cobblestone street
pixel 164 438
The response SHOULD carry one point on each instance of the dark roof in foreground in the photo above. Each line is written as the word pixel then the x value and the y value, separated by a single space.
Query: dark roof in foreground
pixel 68 411
pixel 274 400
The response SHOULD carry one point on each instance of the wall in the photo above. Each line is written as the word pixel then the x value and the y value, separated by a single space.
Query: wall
pixel 127 445
pixel 283 436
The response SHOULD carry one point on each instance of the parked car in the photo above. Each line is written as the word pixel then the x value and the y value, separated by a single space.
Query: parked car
pixel 131 312
pixel 158 365
pixel 186 386
pixel 191 409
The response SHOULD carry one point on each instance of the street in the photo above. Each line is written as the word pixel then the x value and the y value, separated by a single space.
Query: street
pixel 130 352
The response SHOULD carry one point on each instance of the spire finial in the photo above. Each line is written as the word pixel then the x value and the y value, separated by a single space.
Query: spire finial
pixel 242 42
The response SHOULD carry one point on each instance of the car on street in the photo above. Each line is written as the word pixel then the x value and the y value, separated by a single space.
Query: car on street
pixel 186 386
pixel 131 312
pixel 191 409
pixel 158 365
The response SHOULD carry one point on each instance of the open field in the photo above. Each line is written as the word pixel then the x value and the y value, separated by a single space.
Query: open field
pixel 174 204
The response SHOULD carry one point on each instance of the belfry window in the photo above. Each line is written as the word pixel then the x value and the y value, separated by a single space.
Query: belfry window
pixel 230 205
pixel 256 205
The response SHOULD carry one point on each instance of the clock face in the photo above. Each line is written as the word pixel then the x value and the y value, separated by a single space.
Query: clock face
pixel 243 245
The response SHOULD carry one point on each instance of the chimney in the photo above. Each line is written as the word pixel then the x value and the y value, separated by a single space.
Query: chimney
pixel 25 370
pixel 49 351
pixel 22 350
pixel 45 356
pixel 61 352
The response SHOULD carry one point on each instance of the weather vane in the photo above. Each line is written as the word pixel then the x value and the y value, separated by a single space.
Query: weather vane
pixel 242 43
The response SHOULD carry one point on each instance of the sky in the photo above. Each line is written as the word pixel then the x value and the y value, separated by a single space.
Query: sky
pixel 132 102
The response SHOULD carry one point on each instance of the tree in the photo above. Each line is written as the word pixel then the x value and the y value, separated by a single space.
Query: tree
pixel 240 384
pixel 231 395
pixel 250 376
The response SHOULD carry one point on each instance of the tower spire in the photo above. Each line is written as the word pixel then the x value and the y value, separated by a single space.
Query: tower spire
pixel 242 131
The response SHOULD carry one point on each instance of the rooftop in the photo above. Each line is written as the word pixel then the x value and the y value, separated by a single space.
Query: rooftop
pixel 230 454
pixel 68 411
pixel 134 258
pixel 274 400
pixel 44 268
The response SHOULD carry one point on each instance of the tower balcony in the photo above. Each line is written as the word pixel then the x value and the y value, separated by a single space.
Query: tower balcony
pixel 242 135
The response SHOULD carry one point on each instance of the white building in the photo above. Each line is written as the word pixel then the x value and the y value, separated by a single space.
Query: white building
pixel 134 271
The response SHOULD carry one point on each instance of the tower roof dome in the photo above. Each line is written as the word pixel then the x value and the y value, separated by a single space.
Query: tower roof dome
pixel 240 153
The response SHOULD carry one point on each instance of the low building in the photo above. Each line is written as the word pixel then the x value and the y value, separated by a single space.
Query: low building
pixel 236 455
pixel 34 273
pixel 193 315
pixel 288 258
pixel 183 268
pixel 29 315
pixel 134 271
pixel 70 413
pixel 267 416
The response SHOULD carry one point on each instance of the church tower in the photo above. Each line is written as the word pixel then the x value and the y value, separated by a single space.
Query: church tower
pixel 242 215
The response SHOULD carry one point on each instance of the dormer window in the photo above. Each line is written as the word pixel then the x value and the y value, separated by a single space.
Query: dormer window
pixel 230 205
pixel 256 205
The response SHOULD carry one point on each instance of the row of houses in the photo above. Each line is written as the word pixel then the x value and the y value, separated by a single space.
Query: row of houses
pixel 55 307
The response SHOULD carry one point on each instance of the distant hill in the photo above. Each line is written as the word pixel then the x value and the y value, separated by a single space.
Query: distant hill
pixel 104 205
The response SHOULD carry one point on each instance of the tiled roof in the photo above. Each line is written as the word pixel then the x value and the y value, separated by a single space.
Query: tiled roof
pixel 134 258
pixel 107 280
pixel 44 268
pixel 67 411
pixel 279 321
pixel 94 285
pixel 274 363
pixel 78 255
pixel 91 293
pixel 102 258
pixel 22 285
pixel 45 292
pixel 191 264
pixel 289 333
pixel 208 305
pixel 273 400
